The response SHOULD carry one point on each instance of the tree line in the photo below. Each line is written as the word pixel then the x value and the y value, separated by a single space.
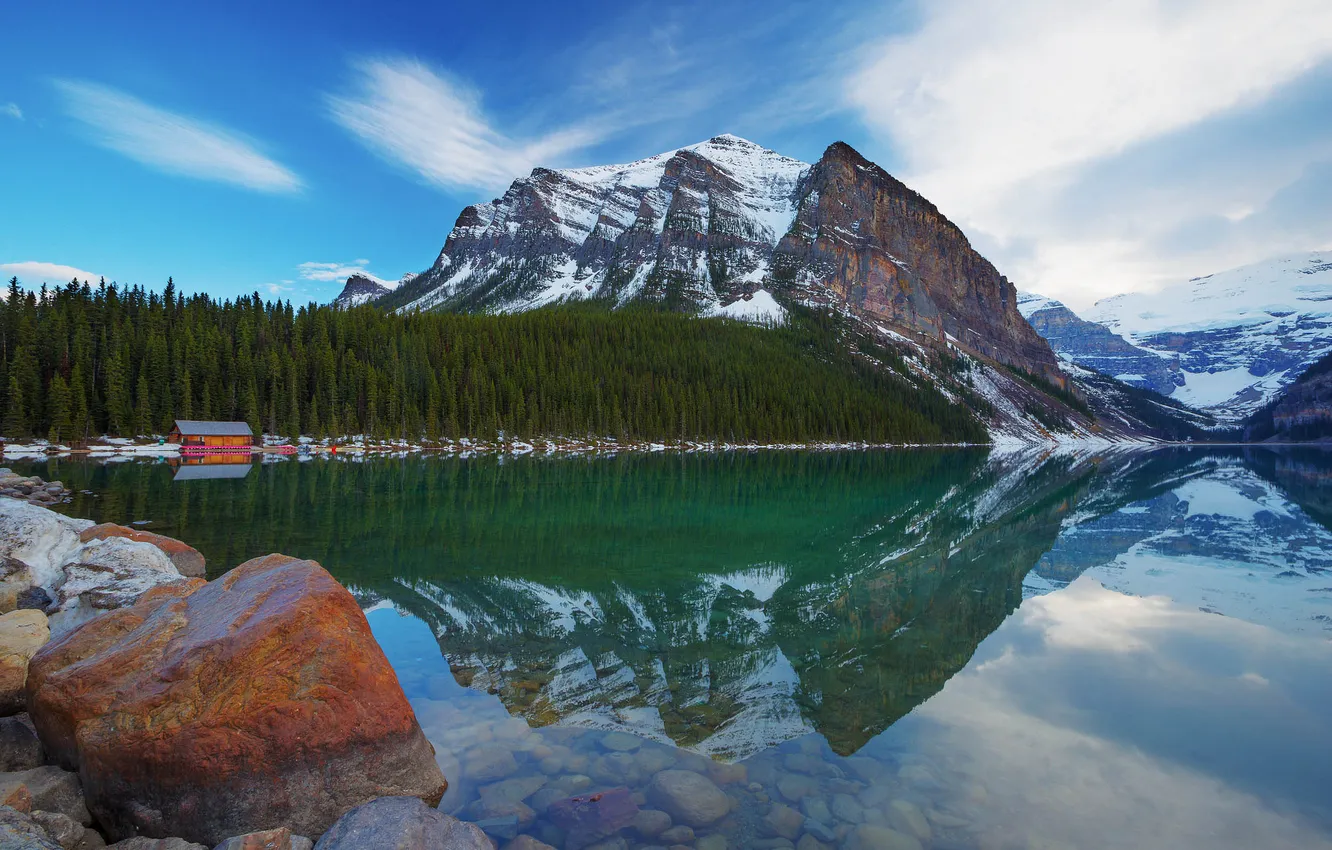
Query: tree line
pixel 78 361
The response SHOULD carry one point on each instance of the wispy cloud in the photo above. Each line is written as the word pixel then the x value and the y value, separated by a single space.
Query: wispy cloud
pixel 416 117
pixel 173 143
pixel 11 110
pixel 997 109
pixel 328 272
pixel 33 273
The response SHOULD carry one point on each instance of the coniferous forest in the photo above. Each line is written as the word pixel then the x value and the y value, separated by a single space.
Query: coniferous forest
pixel 80 361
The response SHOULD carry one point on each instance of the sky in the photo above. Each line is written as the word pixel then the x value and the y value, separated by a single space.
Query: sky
pixel 1086 149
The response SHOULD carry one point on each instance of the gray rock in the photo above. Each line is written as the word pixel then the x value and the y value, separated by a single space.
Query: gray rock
pixel 816 808
pixel 870 837
pixel 846 809
pixel 906 816
pixel 140 842
pixel 711 842
pixel 783 822
pixel 19 747
pixel 794 787
pixel 268 839
pixel 689 798
pixel 679 834
pixel 809 842
pixel 820 831
pixel 651 823
pixel 401 823
pixel 52 790
pixel 515 790
pixel 620 742
pixel 488 763
pixel 67 832
pixel 20 832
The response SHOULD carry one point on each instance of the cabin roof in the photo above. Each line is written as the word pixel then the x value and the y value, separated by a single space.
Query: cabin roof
pixel 195 427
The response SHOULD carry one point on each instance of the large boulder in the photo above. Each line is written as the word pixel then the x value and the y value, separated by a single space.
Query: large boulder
pixel 402 823
pixel 22 633
pixel 258 700
pixel 40 538
pixel 186 559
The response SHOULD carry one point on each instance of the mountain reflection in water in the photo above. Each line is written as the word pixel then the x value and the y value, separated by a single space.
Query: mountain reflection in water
pixel 992 651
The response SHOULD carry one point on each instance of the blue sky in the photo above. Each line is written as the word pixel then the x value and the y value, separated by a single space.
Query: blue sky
pixel 1087 149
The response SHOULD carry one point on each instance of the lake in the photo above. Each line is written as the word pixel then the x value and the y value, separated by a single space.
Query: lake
pixel 942 649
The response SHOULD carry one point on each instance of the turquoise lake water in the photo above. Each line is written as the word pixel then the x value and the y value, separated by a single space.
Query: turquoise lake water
pixel 934 649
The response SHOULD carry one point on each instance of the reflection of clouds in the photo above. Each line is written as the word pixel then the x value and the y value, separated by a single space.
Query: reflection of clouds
pixel 1057 765
pixel 1086 617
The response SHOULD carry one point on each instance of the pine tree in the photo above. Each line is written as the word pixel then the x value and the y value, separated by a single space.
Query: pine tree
pixel 60 404
pixel 143 410
pixel 80 418
pixel 16 412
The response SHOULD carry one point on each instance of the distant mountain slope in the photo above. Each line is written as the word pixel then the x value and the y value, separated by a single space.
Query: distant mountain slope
pixel 363 288
pixel 1301 412
pixel 1098 348
pixel 1238 336
pixel 1225 343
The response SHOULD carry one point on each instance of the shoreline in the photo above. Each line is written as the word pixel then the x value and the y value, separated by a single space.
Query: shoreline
pixel 122 449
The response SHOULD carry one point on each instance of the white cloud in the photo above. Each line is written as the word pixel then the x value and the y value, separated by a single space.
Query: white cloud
pixel 12 110
pixel 409 114
pixel 996 108
pixel 329 272
pixel 173 143
pixel 33 274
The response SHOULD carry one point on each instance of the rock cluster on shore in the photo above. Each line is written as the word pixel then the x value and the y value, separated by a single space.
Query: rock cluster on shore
pixel 32 489
pixel 253 712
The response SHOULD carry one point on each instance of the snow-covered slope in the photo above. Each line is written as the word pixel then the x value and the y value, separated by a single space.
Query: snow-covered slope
pixel 362 288
pixel 694 226
pixel 1098 348
pixel 1237 336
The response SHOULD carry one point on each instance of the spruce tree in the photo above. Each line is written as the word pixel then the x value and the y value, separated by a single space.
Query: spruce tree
pixel 16 412
pixel 60 406
pixel 143 409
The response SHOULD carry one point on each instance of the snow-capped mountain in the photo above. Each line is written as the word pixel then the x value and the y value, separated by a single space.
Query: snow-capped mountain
pixel 1225 343
pixel 362 288
pixel 728 227
pixel 696 224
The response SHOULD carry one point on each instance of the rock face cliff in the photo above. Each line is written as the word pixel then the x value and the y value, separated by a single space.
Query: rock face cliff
pixel 862 238
pixel 717 226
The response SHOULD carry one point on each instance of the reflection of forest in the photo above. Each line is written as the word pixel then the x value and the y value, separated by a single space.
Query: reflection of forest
pixel 724 603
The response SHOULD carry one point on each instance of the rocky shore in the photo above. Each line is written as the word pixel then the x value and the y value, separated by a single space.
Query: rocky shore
pixel 145 708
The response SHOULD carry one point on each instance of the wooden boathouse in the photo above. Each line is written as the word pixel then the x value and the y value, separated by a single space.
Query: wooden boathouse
pixel 197 436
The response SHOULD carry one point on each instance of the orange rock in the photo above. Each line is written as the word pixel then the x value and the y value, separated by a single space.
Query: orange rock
pixel 186 559
pixel 259 700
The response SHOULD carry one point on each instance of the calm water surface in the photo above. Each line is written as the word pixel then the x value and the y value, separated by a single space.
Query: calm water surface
pixel 938 649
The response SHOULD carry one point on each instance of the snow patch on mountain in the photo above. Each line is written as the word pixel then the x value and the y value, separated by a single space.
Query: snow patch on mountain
pixel 1239 336
pixel 760 308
